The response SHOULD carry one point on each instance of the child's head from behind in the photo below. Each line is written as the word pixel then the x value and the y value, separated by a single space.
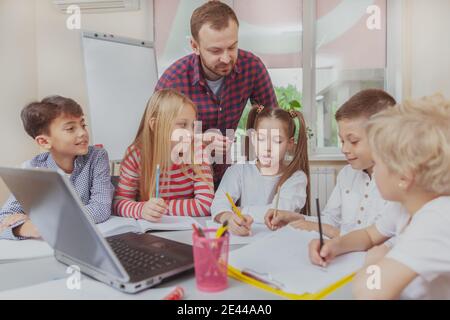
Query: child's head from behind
pixel 411 148
pixel 168 117
pixel 352 118
pixel 272 134
pixel 57 124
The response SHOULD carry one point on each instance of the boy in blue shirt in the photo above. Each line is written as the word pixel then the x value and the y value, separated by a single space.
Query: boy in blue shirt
pixel 58 126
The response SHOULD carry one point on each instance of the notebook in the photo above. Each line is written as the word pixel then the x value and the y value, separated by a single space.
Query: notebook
pixel 88 289
pixel 14 250
pixel 259 230
pixel 117 225
pixel 283 259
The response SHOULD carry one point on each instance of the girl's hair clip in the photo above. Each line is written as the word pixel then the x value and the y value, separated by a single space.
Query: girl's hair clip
pixel 259 108
pixel 293 113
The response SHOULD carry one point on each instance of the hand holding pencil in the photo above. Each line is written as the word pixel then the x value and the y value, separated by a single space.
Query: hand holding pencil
pixel 321 251
pixel 156 207
pixel 238 224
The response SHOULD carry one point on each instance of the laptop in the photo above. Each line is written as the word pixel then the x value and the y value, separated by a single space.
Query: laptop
pixel 129 262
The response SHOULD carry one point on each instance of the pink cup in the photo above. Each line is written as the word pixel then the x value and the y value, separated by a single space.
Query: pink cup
pixel 211 260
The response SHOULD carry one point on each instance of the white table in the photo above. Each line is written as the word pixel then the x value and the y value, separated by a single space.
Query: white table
pixel 31 272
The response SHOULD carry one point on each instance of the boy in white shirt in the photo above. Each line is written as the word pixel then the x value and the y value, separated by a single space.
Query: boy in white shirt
pixel 411 145
pixel 355 202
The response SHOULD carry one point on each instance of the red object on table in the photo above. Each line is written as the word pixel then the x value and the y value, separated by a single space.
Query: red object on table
pixel 176 294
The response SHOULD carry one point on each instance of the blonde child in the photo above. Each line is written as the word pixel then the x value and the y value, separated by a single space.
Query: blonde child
pixel 58 126
pixel 411 146
pixel 355 202
pixel 186 189
pixel 254 184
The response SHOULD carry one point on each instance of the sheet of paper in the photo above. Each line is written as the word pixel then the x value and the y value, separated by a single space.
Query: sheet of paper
pixel 283 257
pixel 89 289
pixel 169 223
pixel 259 231
pixel 11 250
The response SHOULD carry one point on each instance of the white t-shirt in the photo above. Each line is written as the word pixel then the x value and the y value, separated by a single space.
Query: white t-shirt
pixel 257 193
pixel 355 202
pixel 423 245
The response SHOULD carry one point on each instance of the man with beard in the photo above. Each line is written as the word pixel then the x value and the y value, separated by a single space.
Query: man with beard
pixel 218 77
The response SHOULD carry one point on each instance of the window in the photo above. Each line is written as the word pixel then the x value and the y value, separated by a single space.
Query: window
pixel 318 52
pixel 350 56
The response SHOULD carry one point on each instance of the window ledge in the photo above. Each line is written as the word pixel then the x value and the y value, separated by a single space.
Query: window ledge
pixel 326 157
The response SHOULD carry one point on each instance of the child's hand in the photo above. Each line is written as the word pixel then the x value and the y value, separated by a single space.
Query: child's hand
pixel 282 218
pixel 326 255
pixel 154 209
pixel 236 225
pixel 12 219
pixel 240 227
pixel 302 224
pixel 27 230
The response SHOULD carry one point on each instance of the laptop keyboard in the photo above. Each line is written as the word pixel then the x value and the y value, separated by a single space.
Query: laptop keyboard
pixel 137 262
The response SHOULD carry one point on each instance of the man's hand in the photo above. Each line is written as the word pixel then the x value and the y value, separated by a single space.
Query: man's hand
pixel 215 141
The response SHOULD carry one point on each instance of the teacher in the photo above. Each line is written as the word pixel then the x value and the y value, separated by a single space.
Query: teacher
pixel 218 77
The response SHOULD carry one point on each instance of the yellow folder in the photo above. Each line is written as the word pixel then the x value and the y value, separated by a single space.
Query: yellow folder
pixel 236 274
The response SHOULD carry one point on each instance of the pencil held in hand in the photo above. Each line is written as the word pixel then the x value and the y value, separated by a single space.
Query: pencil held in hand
pixel 233 206
pixel 276 204
pixel 320 224
pixel 158 173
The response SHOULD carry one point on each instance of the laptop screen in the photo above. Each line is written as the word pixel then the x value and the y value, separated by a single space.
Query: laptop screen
pixel 57 212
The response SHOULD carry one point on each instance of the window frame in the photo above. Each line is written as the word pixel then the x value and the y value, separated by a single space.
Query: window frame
pixel 393 71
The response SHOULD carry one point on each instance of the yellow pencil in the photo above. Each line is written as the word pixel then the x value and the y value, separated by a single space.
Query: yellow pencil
pixel 233 206
pixel 223 228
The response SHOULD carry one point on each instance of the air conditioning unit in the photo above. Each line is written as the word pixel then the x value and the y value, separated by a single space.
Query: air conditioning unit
pixel 98 6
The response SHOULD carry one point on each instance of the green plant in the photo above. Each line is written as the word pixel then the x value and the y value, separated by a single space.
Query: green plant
pixel 288 98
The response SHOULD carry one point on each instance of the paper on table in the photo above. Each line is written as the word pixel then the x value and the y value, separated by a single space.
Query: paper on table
pixel 284 256
pixel 169 223
pixel 89 290
pixel 11 250
pixel 117 225
pixel 259 230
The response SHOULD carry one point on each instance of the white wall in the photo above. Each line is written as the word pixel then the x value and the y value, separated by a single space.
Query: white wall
pixel 430 47
pixel 18 80
pixel 59 60
pixel 39 56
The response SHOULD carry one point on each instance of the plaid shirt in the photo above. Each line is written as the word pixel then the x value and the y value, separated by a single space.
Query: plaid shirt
pixel 248 80
pixel 90 178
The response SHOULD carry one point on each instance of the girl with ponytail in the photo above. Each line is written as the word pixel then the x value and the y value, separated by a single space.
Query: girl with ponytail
pixel 267 180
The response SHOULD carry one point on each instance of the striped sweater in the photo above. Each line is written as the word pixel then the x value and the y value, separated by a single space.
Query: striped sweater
pixel 184 196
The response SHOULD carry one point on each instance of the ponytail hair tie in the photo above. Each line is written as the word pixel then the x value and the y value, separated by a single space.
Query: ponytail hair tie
pixel 293 113
pixel 259 109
